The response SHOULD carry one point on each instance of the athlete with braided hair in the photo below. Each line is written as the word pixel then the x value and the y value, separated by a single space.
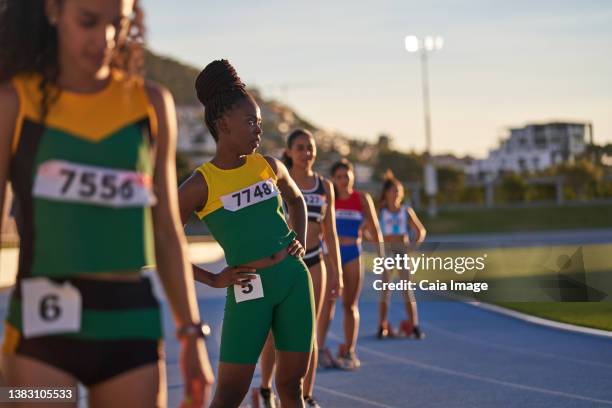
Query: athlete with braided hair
pixel 238 195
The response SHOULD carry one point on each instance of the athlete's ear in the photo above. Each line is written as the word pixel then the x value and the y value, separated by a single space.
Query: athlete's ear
pixel 222 125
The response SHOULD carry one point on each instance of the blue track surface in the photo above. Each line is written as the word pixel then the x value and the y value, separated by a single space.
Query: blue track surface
pixel 470 358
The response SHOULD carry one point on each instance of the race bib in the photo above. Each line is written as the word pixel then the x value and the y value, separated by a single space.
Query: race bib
pixel 316 200
pixel 249 291
pixel 49 307
pixel 348 215
pixel 253 194
pixel 65 181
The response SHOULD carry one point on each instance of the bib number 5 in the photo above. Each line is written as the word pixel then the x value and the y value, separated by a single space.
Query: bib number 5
pixel 249 291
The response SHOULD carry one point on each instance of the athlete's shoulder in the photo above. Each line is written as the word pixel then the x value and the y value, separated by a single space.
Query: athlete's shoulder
pixel 273 162
pixel 9 99
pixel 159 95
pixel 328 186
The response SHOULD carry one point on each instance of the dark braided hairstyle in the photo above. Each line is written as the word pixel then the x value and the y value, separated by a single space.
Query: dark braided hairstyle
pixel 290 140
pixel 219 89
pixel 29 45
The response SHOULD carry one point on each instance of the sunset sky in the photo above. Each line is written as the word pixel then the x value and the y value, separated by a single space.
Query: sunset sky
pixel 345 67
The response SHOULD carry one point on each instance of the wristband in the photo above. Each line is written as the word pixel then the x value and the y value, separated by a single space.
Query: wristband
pixel 197 330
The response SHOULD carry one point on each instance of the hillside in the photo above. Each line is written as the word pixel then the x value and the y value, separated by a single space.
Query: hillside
pixel 278 120
pixel 179 78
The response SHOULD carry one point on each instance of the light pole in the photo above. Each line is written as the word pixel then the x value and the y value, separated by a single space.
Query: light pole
pixel 413 44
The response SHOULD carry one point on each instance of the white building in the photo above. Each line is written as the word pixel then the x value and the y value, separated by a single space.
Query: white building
pixel 194 139
pixel 534 147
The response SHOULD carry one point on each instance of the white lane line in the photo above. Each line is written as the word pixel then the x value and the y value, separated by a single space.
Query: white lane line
pixel 514 349
pixel 447 371
pixel 529 318
pixel 352 397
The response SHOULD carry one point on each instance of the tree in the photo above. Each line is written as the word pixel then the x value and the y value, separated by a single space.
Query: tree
pixel 513 188
pixel 581 177
pixel 406 167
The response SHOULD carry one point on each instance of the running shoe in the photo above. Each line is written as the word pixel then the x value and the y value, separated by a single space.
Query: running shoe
pixel 417 333
pixel 347 360
pixel 326 360
pixel 385 331
pixel 311 402
pixel 263 398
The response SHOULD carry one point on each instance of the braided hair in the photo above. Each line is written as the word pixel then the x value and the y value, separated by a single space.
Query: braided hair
pixel 290 140
pixel 219 89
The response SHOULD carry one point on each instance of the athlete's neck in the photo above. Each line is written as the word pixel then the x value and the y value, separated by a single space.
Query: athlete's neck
pixel 301 175
pixel 77 81
pixel 345 193
pixel 227 159
pixel 393 207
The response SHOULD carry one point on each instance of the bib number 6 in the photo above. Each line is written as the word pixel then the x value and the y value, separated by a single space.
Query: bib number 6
pixel 49 307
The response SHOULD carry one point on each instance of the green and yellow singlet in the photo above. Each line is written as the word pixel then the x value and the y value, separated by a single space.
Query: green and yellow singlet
pixel 244 210
pixel 83 179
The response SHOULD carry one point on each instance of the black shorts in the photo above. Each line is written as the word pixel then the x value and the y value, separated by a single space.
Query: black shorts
pixel 120 330
pixel 313 256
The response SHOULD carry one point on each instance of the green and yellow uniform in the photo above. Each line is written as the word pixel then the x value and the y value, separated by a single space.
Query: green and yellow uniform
pixel 244 213
pixel 83 187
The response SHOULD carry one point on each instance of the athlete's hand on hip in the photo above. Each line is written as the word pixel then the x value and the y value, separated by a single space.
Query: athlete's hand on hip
pixel 234 275
pixel 197 373
pixel 296 249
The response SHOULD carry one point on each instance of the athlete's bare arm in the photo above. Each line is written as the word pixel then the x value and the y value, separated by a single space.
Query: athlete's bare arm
pixel 8 117
pixel 295 202
pixel 193 195
pixel 330 235
pixel 416 225
pixel 371 221
pixel 170 248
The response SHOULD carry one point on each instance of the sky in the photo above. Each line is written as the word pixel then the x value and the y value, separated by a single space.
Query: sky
pixel 342 64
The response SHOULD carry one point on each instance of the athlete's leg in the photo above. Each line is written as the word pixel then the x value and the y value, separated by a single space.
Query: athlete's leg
pixel 385 299
pixel 410 300
pixel 328 309
pixel 291 369
pixel 22 371
pixel 293 328
pixel 318 274
pixel 233 381
pixel 140 387
pixel 353 281
pixel 267 362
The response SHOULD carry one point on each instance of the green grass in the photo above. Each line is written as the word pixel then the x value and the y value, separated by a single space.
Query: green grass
pixel 597 315
pixel 518 219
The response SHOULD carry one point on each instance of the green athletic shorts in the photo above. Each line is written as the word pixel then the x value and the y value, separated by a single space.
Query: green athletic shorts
pixel 287 307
